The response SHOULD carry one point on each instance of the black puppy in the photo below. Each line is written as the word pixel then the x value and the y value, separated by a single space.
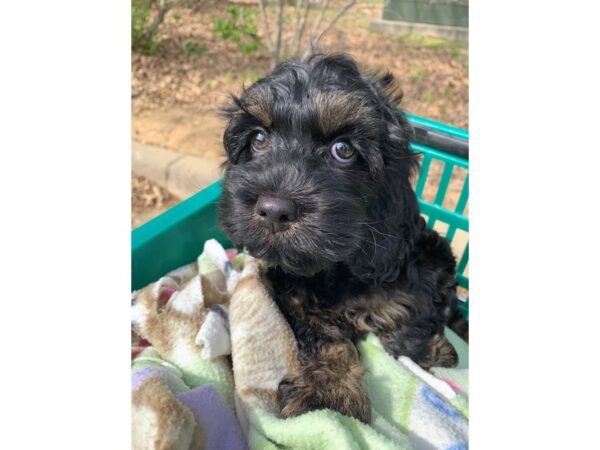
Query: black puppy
pixel 317 184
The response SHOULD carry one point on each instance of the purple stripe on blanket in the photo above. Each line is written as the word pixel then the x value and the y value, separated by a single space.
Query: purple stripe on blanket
pixel 219 424
pixel 160 372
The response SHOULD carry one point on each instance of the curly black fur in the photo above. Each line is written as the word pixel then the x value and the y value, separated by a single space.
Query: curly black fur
pixel 359 259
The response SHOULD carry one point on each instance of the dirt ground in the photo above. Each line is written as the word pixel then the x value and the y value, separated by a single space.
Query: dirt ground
pixel 176 97
pixel 148 200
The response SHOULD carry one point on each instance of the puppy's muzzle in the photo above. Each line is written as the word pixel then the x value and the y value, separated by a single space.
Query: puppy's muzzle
pixel 276 213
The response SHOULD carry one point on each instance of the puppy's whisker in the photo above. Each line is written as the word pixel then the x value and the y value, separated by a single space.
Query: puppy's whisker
pixel 374 248
pixel 393 216
pixel 362 249
pixel 383 234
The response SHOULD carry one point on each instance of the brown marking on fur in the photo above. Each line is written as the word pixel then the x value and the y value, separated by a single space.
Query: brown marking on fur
pixel 174 427
pixel 259 103
pixel 326 324
pixel 294 227
pixel 330 371
pixel 331 380
pixel 379 312
pixel 388 88
pixel 335 110
pixel 441 354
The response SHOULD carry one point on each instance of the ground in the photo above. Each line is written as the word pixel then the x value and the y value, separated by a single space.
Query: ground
pixel 147 200
pixel 176 95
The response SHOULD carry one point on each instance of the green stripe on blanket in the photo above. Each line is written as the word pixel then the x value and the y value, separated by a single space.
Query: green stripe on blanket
pixel 402 417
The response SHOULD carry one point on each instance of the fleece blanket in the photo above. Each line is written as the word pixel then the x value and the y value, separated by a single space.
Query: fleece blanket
pixel 214 348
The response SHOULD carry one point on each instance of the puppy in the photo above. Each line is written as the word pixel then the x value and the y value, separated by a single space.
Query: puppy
pixel 317 184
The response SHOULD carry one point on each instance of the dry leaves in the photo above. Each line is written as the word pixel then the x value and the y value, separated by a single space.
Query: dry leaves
pixel 145 194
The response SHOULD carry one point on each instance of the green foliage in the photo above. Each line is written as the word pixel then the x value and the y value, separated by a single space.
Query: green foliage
pixel 176 16
pixel 240 28
pixel 141 37
pixel 194 49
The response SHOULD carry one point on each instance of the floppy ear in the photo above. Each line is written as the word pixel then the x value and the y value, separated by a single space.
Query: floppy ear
pixel 232 142
pixel 393 216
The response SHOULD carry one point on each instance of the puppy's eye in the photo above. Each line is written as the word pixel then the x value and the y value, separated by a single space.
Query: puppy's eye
pixel 260 142
pixel 342 152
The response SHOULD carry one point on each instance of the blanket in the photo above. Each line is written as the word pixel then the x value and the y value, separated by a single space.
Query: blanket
pixel 215 347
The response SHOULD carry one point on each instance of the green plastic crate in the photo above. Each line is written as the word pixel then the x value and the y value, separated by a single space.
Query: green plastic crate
pixel 452 158
pixel 177 236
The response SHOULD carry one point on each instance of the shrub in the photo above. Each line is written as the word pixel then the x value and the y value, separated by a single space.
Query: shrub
pixel 193 49
pixel 141 38
pixel 239 27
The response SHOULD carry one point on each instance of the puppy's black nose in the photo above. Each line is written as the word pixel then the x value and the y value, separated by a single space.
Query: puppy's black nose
pixel 275 212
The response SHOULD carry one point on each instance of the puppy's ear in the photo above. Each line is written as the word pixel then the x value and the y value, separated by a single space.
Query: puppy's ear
pixel 389 95
pixel 386 87
pixel 393 216
pixel 233 114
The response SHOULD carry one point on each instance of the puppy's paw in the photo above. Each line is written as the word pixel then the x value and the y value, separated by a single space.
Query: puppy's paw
pixel 441 353
pixel 295 397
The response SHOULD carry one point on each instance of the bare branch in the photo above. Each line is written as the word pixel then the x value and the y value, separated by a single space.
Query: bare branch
pixel 303 24
pixel 163 9
pixel 324 6
pixel 335 18
pixel 268 37
pixel 313 43
pixel 299 26
pixel 299 31
pixel 297 14
pixel 278 30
